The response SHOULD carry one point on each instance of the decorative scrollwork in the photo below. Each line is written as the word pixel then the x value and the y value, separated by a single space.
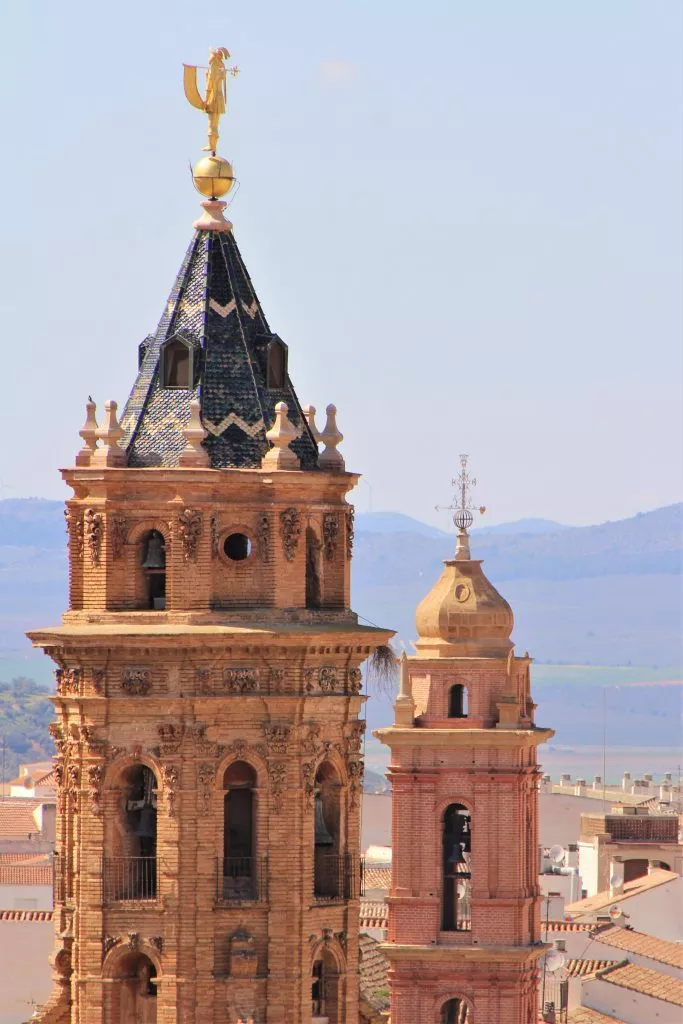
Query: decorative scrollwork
pixel 74 529
pixel 290 531
pixel 133 942
pixel 68 681
pixel 93 526
pixel 330 534
pixel 158 942
pixel 308 771
pixel 171 736
pixel 354 680
pixel 206 776
pixel 99 676
pixel 350 530
pixel 277 737
pixel 214 537
pixel 56 730
pixel 277 776
pixel 263 537
pixel 356 770
pixel 118 530
pixel 190 530
pixel 171 775
pixel 353 737
pixel 108 942
pixel 241 680
pixel 136 682
pixel 203 679
pixel 95 777
pixel 276 680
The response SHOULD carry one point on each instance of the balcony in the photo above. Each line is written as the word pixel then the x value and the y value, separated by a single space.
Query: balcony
pixel 336 876
pixel 241 879
pixel 129 878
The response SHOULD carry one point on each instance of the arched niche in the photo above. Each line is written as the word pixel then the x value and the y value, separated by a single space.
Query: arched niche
pixel 456 868
pixel 457 701
pixel 326 984
pixel 455 1010
pixel 131 995
pixel 329 867
pixel 130 831
pixel 238 874
pixel 313 568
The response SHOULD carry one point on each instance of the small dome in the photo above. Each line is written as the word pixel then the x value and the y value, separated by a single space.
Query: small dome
pixel 463 608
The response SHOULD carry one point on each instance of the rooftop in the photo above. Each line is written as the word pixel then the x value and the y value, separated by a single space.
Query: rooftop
pixel 16 817
pixel 664 952
pixel 374 973
pixel 581 968
pixel 643 980
pixel 26 874
pixel 603 900
pixel 583 1015
pixel 377 876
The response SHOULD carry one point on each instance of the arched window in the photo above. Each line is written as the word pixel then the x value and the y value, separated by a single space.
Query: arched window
pixel 457 874
pixel 154 565
pixel 239 864
pixel 455 1011
pixel 277 364
pixel 135 990
pixel 325 989
pixel 176 364
pixel 457 701
pixel 132 874
pixel 328 868
pixel 313 548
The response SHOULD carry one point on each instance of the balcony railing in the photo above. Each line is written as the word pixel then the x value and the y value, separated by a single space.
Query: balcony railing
pixel 336 876
pixel 241 879
pixel 129 878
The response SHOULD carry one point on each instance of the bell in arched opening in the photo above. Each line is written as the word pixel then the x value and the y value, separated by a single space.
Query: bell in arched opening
pixel 154 565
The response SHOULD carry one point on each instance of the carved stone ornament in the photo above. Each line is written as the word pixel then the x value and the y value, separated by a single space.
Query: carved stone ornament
pixel 330 534
pixel 74 777
pixel 203 680
pixel 354 680
pixel 353 738
pixel 108 942
pixel 263 537
pixel 93 528
pixel 133 942
pixel 136 682
pixel 95 777
pixel 308 771
pixel 277 737
pixel 74 529
pixel 243 956
pixel 118 531
pixel 206 777
pixel 171 736
pixel 276 680
pixel 356 770
pixel 91 741
pixel 157 941
pixel 290 531
pixel 99 676
pixel 277 776
pixel 68 681
pixel 214 537
pixel 57 733
pixel 350 527
pixel 171 775
pixel 190 530
pixel 241 680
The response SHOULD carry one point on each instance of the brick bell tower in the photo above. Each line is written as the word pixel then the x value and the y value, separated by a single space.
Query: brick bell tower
pixel 464 929
pixel 208 681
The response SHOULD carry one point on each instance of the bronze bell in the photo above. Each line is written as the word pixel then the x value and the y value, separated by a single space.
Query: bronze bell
pixel 155 554
pixel 456 856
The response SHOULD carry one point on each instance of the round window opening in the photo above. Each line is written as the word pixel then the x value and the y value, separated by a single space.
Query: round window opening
pixel 237 547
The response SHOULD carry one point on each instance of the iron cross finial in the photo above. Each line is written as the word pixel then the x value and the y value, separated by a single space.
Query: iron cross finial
pixel 461 506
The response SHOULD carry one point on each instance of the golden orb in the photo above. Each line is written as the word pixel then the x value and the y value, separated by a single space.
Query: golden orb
pixel 212 176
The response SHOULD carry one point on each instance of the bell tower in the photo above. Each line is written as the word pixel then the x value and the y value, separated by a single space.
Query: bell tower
pixel 208 676
pixel 464 930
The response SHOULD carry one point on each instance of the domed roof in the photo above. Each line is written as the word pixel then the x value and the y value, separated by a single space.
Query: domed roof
pixel 463 608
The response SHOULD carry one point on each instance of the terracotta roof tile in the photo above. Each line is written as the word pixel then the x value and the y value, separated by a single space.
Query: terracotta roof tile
pixel 26 874
pixel 580 968
pixel 373 914
pixel 377 876
pixel 569 926
pixel 25 858
pixel 16 816
pixel 648 982
pixel 26 915
pixel 583 1015
pixel 602 900
pixel 645 945
pixel 374 973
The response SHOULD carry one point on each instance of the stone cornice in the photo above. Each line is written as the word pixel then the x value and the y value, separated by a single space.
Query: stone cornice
pixel 397 737
pixel 466 954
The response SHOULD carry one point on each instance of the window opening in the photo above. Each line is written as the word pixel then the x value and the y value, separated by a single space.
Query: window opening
pixel 238 872
pixel 237 547
pixel 455 1011
pixel 313 596
pixel 154 564
pixel 132 875
pixel 637 867
pixel 176 365
pixel 277 365
pixel 457 701
pixel 329 869
pixel 457 875
pixel 138 990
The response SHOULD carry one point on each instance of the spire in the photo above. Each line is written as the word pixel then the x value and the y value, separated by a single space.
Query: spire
pixel 462 510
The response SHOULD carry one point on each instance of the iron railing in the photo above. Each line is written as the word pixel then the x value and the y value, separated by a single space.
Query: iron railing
pixel 129 878
pixel 241 879
pixel 336 876
pixel 555 1001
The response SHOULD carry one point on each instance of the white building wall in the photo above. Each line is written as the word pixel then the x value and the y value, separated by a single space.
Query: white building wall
pixel 628 1006
pixel 658 911
pixel 588 867
pixel 25 897
pixel 25 974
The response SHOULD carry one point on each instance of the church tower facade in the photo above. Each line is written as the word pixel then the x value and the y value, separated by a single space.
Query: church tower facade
pixel 464 903
pixel 208 681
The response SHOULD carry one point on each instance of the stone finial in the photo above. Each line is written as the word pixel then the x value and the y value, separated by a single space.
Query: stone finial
pixel 281 435
pixel 309 416
pixel 404 705
pixel 212 219
pixel 194 433
pixel 331 459
pixel 110 433
pixel 89 434
pixel 462 547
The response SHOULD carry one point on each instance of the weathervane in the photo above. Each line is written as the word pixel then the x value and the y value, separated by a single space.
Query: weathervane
pixel 461 507
pixel 212 175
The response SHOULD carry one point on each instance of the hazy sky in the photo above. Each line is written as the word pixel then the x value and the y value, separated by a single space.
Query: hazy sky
pixel 464 218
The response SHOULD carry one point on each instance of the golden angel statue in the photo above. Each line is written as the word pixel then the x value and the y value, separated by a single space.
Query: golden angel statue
pixel 216 92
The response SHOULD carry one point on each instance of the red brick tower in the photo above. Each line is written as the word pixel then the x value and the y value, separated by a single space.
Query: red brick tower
pixel 464 931
pixel 208 683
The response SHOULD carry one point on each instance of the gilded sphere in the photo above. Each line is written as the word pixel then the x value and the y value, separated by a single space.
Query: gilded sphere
pixel 213 177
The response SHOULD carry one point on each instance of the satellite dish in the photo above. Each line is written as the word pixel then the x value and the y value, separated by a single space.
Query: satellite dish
pixel 615 911
pixel 615 881
pixel 556 854
pixel 554 960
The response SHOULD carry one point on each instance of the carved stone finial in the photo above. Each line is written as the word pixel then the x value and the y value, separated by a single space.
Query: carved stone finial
pixel 331 459
pixel 110 433
pixel 89 434
pixel 309 416
pixel 280 435
pixel 193 454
